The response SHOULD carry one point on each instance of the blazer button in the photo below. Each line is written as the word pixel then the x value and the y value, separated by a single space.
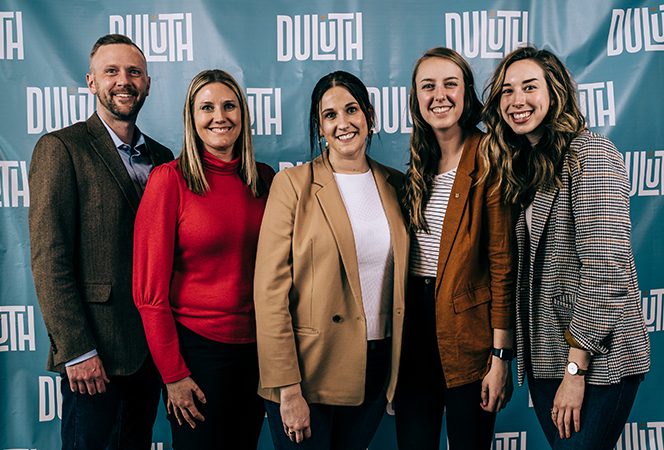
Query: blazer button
pixel 457 195
pixel 336 318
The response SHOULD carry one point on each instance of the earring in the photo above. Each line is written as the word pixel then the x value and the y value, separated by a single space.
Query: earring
pixel 320 143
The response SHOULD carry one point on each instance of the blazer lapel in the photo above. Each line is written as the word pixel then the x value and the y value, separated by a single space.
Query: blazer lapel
pixel 456 205
pixel 334 210
pixel 103 146
pixel 541 211
pixel 521 231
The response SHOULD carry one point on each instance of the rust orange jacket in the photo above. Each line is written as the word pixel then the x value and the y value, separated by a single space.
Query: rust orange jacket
pixel 476 271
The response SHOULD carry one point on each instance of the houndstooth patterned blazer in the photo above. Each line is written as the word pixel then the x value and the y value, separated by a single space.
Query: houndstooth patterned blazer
pixel 578 271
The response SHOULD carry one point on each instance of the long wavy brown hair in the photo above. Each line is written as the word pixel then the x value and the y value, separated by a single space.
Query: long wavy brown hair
pixel 425 152
pixel 522 170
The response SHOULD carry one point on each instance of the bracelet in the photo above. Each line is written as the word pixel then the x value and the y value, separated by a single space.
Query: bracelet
pixel 506 354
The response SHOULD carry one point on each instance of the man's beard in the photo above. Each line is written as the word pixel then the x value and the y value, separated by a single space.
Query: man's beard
pixel 122 115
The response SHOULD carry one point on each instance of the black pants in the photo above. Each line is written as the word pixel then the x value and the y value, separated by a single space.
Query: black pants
pixel 120 418
pixel 342 427
pixel 422 395
pixel 228 376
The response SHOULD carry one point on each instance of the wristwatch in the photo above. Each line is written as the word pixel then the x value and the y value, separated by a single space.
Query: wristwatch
pixel 506 354
pixel 573 369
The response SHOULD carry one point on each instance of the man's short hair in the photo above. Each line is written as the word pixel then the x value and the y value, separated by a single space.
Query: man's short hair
pixel 110 39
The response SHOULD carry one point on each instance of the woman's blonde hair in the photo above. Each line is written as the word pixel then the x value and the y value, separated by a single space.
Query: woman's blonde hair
pixel 189 160
pixel 424 150
pixel 520 169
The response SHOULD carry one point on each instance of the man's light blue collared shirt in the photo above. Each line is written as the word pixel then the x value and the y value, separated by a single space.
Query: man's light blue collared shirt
pixel 136 160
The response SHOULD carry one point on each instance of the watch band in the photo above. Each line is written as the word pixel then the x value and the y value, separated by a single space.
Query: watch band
pixel 506 354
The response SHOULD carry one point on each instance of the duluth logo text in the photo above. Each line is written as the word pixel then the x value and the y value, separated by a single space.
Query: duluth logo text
pixel 636 29
pixel 14 186
pixel 162 37
pixel 11 43
pixel 486 34
pixel 591 103
pixel 335 37
pixel 646 172
pixel 652 310
pixel 260 109
pixel 17 326
pixel 57 107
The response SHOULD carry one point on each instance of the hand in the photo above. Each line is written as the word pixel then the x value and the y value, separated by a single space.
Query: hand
pixel 567 405
pixel 88 376
pixel 497 386
pixel 181 401
pixel 295 413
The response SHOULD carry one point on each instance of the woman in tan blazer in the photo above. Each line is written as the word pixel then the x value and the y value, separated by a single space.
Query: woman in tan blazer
pixel 457 342
pixel 329 282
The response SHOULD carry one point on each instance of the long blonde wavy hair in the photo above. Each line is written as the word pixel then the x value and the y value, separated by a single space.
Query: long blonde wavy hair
pixel 425 152
pixel 519 168
pixel 189 160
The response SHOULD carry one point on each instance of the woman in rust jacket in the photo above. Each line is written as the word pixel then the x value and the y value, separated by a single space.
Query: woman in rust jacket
pixel 457 343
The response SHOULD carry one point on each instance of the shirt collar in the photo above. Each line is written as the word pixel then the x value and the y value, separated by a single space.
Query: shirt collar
pixel 117 141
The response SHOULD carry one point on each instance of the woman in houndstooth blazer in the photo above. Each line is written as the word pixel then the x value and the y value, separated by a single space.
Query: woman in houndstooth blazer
pixel 581 336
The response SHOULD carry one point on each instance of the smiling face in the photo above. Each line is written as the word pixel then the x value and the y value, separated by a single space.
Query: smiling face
pixel 119 79
pixel 343 124
pixel 218 119
pixel 525 100
pixel 440 93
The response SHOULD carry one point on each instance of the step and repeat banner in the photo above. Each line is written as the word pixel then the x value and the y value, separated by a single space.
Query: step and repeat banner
pixel 277 50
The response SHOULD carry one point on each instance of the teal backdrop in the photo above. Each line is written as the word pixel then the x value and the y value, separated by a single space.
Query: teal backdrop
pixel 277 50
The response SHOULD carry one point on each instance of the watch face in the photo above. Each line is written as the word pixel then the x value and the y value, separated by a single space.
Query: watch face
pixel 572 368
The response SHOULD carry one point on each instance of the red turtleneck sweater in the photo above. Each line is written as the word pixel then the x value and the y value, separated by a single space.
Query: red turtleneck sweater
pixel 194 259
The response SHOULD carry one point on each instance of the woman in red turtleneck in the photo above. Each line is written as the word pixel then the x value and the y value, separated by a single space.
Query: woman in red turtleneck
pixel 194 253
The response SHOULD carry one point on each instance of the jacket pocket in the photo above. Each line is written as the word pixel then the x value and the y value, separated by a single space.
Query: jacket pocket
pixel 95 292
pixel 471 299
pixel 562 308
pixel 306 330
pixel 565 301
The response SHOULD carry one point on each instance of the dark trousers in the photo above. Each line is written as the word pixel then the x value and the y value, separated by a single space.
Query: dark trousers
pixel 422 394
pixel 603 413
pixel 342 427
pixel 120 418
pixel 228 376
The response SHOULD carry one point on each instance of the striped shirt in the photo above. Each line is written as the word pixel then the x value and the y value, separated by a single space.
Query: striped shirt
pixel 424 247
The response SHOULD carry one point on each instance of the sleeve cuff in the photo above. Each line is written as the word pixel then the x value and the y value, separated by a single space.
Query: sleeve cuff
pixel 571 341
pixel 82 358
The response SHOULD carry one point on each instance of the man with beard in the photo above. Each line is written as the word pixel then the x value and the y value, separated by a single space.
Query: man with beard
pixel 86 181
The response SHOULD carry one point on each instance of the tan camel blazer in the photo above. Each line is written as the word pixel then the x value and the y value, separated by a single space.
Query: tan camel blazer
pixel 311 326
